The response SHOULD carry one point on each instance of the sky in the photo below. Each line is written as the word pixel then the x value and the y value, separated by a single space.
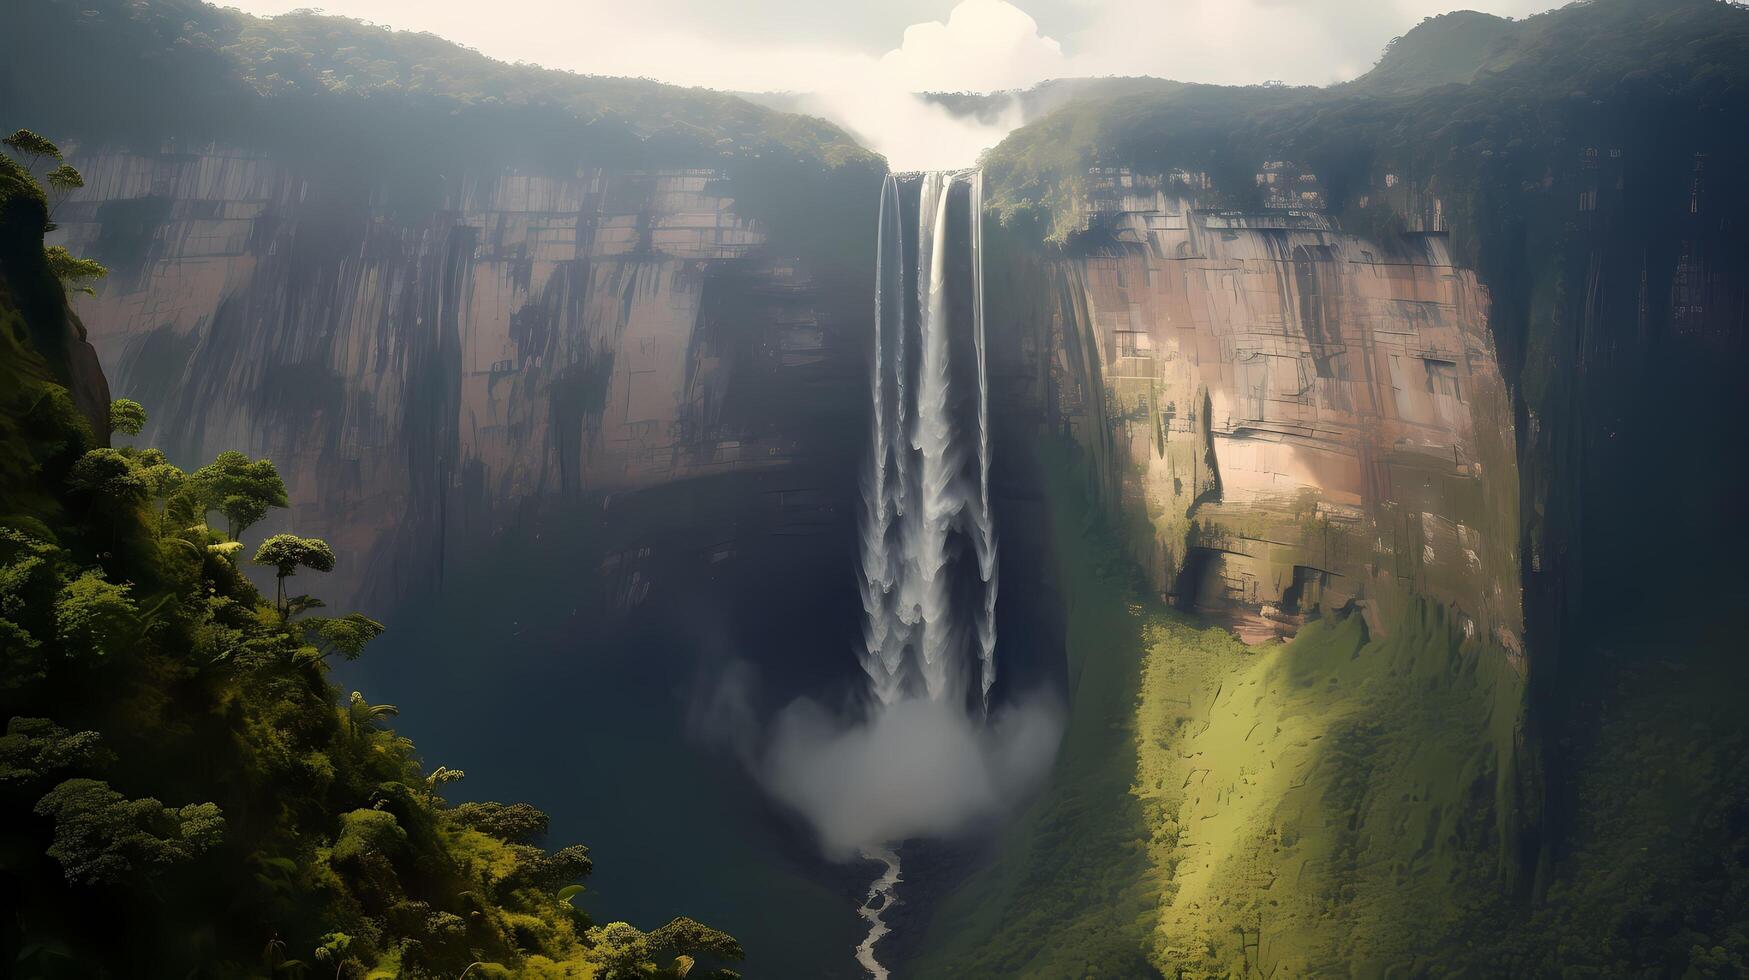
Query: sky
pixel 861 60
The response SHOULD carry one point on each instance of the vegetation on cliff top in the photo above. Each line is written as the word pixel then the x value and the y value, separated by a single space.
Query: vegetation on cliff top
pixel 199 71
pixel 1460 105
pixel 183 789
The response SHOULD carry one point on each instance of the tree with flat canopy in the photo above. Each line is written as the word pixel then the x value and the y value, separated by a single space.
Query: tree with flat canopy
pixel 286 553
pixel 31 147
pixel 240 488
pixel 62 180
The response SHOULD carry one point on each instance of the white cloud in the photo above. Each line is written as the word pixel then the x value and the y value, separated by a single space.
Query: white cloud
pixel 985 45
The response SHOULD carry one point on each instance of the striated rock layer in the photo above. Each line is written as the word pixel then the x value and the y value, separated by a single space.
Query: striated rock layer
pixel 1289 417
pixel 417 371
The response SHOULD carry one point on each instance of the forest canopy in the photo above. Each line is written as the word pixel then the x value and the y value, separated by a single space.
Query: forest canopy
pixel 202 70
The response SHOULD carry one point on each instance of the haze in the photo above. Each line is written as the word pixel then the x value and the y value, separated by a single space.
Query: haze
pixel 860 63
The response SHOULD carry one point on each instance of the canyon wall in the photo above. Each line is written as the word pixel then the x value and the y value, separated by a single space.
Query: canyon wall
pixel 1290 417
pixel 1286 416
pixel 419 372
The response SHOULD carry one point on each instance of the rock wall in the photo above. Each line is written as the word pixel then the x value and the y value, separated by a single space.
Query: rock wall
pixel 416 372
pixel 1289 417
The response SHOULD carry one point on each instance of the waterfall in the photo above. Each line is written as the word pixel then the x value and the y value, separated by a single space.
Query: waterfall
pixel 882 494
pixel 926 491
pixel 926 488
pixel 985 539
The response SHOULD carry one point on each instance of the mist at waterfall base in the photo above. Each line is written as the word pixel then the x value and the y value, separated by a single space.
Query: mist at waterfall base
pixel 918 767
pixel 915 768
pixel 925 751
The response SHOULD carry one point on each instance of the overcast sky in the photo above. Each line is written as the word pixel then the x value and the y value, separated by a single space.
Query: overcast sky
pixel 863 56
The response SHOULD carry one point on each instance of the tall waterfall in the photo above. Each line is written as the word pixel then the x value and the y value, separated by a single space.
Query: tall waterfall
pixel 926 491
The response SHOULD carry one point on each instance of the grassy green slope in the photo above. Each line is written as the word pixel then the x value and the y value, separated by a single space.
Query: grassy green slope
pixel 1335 794
pixel 1075 892
pixel 1331 808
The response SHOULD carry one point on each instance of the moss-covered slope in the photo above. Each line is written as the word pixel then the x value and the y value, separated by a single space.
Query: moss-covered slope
pixel 1341 797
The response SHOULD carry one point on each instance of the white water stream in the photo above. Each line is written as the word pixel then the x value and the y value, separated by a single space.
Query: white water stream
pixel 918 489
pixel 928 475
pixel 880 898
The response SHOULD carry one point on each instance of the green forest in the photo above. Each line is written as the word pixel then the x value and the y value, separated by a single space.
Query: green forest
pixel 186 790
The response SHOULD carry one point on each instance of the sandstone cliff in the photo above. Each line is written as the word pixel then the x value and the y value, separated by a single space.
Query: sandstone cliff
pixel 416 375
pixel 1290 417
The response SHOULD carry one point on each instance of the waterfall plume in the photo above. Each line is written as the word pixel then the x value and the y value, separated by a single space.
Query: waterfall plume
pixel 928 542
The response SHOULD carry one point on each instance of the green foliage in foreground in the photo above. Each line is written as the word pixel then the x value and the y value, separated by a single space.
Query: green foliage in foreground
pixel 182 790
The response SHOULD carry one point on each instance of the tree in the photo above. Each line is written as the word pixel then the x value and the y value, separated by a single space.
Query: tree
pixel 286 553
pixel 107 474
pixel 627 952
pixel 536 868
pixel 63 181
pixel 110 482
pixel 163 481
pixel 240 488
pixel 36 747
pixel 683 935
pixel 516 823
pixel 72 270
pixel 94 617
pixel 127 416
pixel 346 635
pixel 102 837
pixel 27 588
pixel 32 147
pixel 623 948
pixel 242 511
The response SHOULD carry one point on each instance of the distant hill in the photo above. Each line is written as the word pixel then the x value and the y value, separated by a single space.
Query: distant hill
pixel 1442 50
pixel 187 67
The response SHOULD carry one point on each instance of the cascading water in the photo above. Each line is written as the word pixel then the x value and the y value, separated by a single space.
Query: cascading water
pixel 926 491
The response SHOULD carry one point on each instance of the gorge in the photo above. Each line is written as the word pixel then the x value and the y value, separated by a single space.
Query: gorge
pixel 1224 530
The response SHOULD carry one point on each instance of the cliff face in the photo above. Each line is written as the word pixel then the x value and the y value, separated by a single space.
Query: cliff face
pixel 49 337
pixel 1290 417
pixel 418 372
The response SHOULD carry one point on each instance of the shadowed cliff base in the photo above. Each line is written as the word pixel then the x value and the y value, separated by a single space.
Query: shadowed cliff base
pixel 626 625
